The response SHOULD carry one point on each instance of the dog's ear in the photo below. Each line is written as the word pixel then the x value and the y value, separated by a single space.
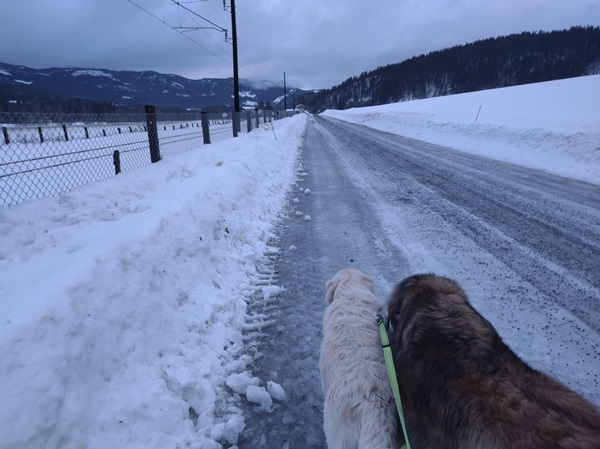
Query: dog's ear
pixel 331 286
pixel 400 299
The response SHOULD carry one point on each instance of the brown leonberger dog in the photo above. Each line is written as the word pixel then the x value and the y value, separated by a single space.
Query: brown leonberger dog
pixel 463 388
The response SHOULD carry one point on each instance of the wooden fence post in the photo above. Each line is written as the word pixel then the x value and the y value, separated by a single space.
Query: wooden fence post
pixel 152 133
pixel 117 161
pixel 5 132
pixel 249 120
pixel 257 118
pixel 235 120
pixel 205 128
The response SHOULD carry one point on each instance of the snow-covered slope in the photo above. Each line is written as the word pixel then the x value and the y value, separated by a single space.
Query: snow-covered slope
pixel 553 126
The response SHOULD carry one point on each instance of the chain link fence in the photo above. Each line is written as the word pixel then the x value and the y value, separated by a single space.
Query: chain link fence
pixel 43 155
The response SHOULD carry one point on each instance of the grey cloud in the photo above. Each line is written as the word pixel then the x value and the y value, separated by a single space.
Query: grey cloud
pixel 317 43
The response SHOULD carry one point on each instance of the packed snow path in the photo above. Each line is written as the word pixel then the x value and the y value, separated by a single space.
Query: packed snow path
pixel 328 228
pixel 524 244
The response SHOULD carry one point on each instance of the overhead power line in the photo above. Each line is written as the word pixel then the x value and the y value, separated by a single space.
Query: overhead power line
pixel 180 32
pixel 183 30
pixel 206 32
pixel 215 26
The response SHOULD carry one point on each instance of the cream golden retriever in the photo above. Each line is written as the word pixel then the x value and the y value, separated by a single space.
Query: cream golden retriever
pixel 359 410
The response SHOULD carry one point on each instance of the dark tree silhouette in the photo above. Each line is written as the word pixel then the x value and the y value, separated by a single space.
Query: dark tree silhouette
pixel 529 57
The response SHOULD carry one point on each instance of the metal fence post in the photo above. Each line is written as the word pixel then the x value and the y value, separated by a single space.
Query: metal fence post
pixel 5 132
pixel 205 128
pixel 41 134
pixel 249 120
pixel 117 161
pixel 66 133
pixel 152 133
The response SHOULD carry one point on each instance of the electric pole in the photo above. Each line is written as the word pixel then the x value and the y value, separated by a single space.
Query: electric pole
pixel 236 80
pixel 284 96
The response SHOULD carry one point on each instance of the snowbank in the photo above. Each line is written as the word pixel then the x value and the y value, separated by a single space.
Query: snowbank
pixel 553 126
pixel 122 304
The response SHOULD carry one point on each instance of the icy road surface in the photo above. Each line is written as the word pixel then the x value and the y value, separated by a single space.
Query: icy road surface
pixel 525 245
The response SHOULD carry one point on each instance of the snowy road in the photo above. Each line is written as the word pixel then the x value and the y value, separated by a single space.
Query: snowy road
pixel 543 227
pixel 525 246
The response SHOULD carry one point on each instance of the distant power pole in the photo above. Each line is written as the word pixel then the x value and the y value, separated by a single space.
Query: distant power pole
pixel 236 80
pixel 284 94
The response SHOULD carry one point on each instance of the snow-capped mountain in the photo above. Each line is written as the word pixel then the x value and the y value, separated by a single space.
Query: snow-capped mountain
pixel 135 88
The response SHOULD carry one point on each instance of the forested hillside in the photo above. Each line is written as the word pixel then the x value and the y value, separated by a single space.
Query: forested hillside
pixel 491 63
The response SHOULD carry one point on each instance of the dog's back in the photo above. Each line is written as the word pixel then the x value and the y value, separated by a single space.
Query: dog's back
pixel 359 410
pixel 463 388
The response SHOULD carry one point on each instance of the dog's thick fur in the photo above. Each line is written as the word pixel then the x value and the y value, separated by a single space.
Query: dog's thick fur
pixel 463 388
pixel 359 410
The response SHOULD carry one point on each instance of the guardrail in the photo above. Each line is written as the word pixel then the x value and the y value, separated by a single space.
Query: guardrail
pixel 43 155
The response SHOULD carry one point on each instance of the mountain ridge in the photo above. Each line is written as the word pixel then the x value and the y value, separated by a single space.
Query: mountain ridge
pixel 128 88
pixel 490 63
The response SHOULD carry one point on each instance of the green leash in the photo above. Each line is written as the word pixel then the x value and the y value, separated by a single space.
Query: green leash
pixel 389 363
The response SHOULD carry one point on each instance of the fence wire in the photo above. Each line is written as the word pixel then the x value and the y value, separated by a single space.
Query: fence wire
pixel 43 155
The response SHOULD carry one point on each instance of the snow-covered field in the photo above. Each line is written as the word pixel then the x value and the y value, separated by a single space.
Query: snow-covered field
pixel 553 126
pixel 30 169
pixel 123 304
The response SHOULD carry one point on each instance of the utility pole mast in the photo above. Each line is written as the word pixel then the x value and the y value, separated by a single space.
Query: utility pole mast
pixel 236 80
pixel 284 96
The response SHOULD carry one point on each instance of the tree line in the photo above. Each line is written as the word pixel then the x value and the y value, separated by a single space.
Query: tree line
pixel 529 57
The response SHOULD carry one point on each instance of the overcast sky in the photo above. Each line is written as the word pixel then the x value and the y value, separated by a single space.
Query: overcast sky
pixel 318 43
